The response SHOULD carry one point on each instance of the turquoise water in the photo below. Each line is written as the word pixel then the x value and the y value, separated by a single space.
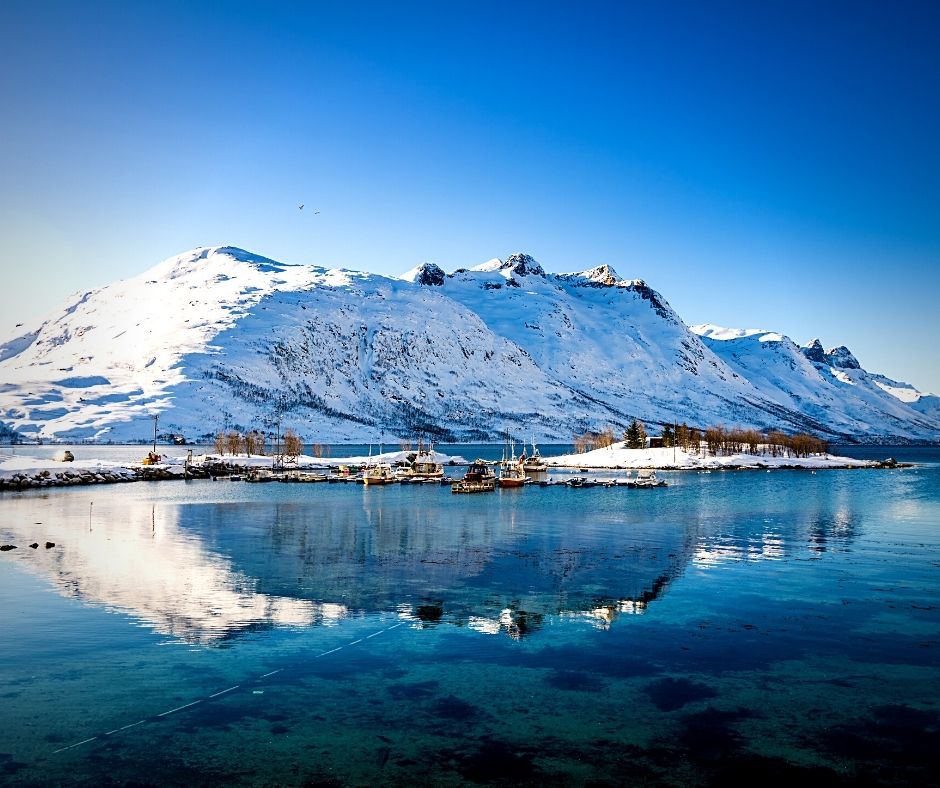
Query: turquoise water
pixel 757 626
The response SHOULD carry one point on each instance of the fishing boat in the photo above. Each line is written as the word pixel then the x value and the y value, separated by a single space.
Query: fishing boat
pixel 511 471
pixel 422 467
pixel 379 474
pixel 478 478
pixel 534 463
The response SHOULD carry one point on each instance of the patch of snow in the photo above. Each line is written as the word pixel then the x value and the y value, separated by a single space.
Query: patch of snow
pixel 617 456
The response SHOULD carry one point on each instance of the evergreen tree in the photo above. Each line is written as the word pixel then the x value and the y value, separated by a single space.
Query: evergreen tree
pixel 635 435
pixel 669 437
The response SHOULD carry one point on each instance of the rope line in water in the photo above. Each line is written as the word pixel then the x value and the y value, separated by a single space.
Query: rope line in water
pixel 217 694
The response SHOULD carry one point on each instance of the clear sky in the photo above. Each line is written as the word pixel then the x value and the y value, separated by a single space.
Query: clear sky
pixel 772 165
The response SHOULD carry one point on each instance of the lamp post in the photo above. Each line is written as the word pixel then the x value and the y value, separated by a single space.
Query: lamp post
pixel 156 418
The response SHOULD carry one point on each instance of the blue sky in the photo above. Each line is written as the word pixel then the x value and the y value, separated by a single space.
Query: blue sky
pixel 760 164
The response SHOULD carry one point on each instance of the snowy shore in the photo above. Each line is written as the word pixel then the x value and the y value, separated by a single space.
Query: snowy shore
pixel 617 456
pixel 25 472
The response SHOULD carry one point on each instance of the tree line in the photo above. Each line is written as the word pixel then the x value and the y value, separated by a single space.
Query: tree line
pixel 255 442
pixel 715 440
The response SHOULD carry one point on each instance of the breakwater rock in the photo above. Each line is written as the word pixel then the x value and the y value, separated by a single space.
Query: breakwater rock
pixel 28 480
pixel 73 477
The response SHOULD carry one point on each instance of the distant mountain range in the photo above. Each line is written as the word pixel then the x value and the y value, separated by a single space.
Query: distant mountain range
pixel 220 338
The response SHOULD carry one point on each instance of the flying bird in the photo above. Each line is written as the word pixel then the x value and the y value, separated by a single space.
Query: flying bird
pixel 300 207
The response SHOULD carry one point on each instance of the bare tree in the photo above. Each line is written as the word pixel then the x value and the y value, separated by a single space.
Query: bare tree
pixel 220 443
pixel 234 442
pixel 682 436
pixel 293 445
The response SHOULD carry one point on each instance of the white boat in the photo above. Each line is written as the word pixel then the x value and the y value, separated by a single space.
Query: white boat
pixel 646 477
pixel 534 464
pixel 422 467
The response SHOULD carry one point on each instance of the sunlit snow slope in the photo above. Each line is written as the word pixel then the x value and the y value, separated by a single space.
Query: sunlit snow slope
pixel 220 338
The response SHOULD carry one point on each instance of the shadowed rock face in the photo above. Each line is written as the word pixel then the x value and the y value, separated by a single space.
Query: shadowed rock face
pixel 842 358
pixel 839 357
pixel 523 264
pixel 814 352
pixel 430 275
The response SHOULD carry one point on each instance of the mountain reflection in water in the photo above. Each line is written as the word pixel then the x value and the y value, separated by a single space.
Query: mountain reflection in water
pixel 204 571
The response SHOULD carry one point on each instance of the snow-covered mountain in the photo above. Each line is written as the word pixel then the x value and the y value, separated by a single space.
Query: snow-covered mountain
pixel 828 386
pixel 221 338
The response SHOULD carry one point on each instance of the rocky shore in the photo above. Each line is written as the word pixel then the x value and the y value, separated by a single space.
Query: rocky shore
pixel 73 477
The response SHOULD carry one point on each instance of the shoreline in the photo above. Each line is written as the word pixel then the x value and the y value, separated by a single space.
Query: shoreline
pixel 82 476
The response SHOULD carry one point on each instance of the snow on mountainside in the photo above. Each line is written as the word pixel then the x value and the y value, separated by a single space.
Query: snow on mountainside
pixel 615 341
pixel 221 338
pixel 829 386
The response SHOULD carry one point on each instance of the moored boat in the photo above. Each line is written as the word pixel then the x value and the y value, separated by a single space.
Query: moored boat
pixel 422 467
pixel 478 478
pixel 260 476
pixel 646 477
pixel 512 473
pixel 379 474
pixel 534 463
pixel 306 477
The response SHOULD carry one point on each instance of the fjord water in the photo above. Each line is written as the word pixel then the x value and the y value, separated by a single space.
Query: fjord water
pixel 780 625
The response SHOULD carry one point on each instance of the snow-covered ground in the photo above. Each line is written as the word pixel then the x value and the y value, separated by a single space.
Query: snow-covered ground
pixel 309 461
pixel 618 456
pixel 31 466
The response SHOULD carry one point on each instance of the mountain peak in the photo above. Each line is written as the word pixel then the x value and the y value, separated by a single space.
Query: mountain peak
pixel 813 350
pixel 428 274
pixel 603 274
pixel 841 358
pixel 523 264
pixel 195 259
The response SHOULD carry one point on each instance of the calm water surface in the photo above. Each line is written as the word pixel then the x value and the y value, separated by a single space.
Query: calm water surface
pixel 764 626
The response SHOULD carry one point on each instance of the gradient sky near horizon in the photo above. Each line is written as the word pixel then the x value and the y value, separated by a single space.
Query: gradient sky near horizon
pixel 772 165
